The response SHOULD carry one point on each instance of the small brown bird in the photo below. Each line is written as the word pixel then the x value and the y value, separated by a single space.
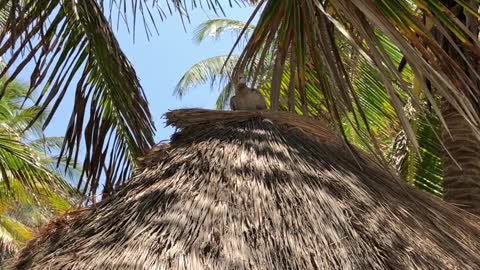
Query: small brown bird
pixel 246 98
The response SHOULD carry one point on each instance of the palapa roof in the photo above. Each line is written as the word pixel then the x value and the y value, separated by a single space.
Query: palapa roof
pixel 259 190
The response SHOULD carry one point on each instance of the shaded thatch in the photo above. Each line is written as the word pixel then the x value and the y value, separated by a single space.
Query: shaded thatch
pixel 236 191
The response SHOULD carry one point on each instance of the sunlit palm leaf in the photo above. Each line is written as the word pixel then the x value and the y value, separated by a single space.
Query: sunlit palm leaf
pixel 17 161
pixel 45 198
pixel 4 15
pixel 217 69
pixel 12 235
pixel 110 107
pixel 427 167
pixel 209 70
pixel 23 119
pixel 47 144
pixel 215 28
pixel 47 148
pixel 31 190
pixel 22 162
pixel 423 170
pixel 24 211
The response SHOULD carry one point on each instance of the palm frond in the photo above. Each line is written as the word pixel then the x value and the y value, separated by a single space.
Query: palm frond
pixel 130 12
pixel 4 15
pixel 427 168
pixel 47 148
pixel 310 29
pixel 215 69
pixel 24 211
pixel 223 100
pixel 71 43
pixel 69 173
pixel 26 177
pixel 28 121
pixel 12 235
pixel 423 170
pixel 17 161
pixel 47 144
pixel 215 28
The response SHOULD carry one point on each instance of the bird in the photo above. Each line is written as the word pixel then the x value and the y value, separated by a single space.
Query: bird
pixel 246 98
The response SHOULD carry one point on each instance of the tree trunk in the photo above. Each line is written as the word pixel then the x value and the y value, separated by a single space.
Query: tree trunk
pixel 461 180
pixel 462 172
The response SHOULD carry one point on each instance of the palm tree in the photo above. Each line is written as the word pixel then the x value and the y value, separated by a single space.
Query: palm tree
pixel 33 188
pixel 71 43
pixel 65 38
pixel 442 50
pixel 423 171
pixel 214 70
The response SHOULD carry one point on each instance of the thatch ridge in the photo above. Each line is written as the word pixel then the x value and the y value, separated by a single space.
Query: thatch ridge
pixel 185 118
pixel 260 190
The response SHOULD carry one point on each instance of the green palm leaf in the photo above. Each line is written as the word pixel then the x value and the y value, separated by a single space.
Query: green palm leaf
pixel 422 171
pixel 215 69
pixel 426 170
pixel 21 213
pixel 309 29
pixel 17 161
pixel 13 235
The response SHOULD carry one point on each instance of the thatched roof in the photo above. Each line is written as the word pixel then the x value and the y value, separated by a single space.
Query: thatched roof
pixel 251 190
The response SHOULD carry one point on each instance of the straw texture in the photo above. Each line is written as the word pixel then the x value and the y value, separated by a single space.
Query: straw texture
pixel 259 190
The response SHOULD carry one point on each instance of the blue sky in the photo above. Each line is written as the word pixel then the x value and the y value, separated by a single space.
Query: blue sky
pixel 161 62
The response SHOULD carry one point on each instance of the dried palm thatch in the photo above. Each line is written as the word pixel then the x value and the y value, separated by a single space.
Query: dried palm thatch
pixel 250 190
